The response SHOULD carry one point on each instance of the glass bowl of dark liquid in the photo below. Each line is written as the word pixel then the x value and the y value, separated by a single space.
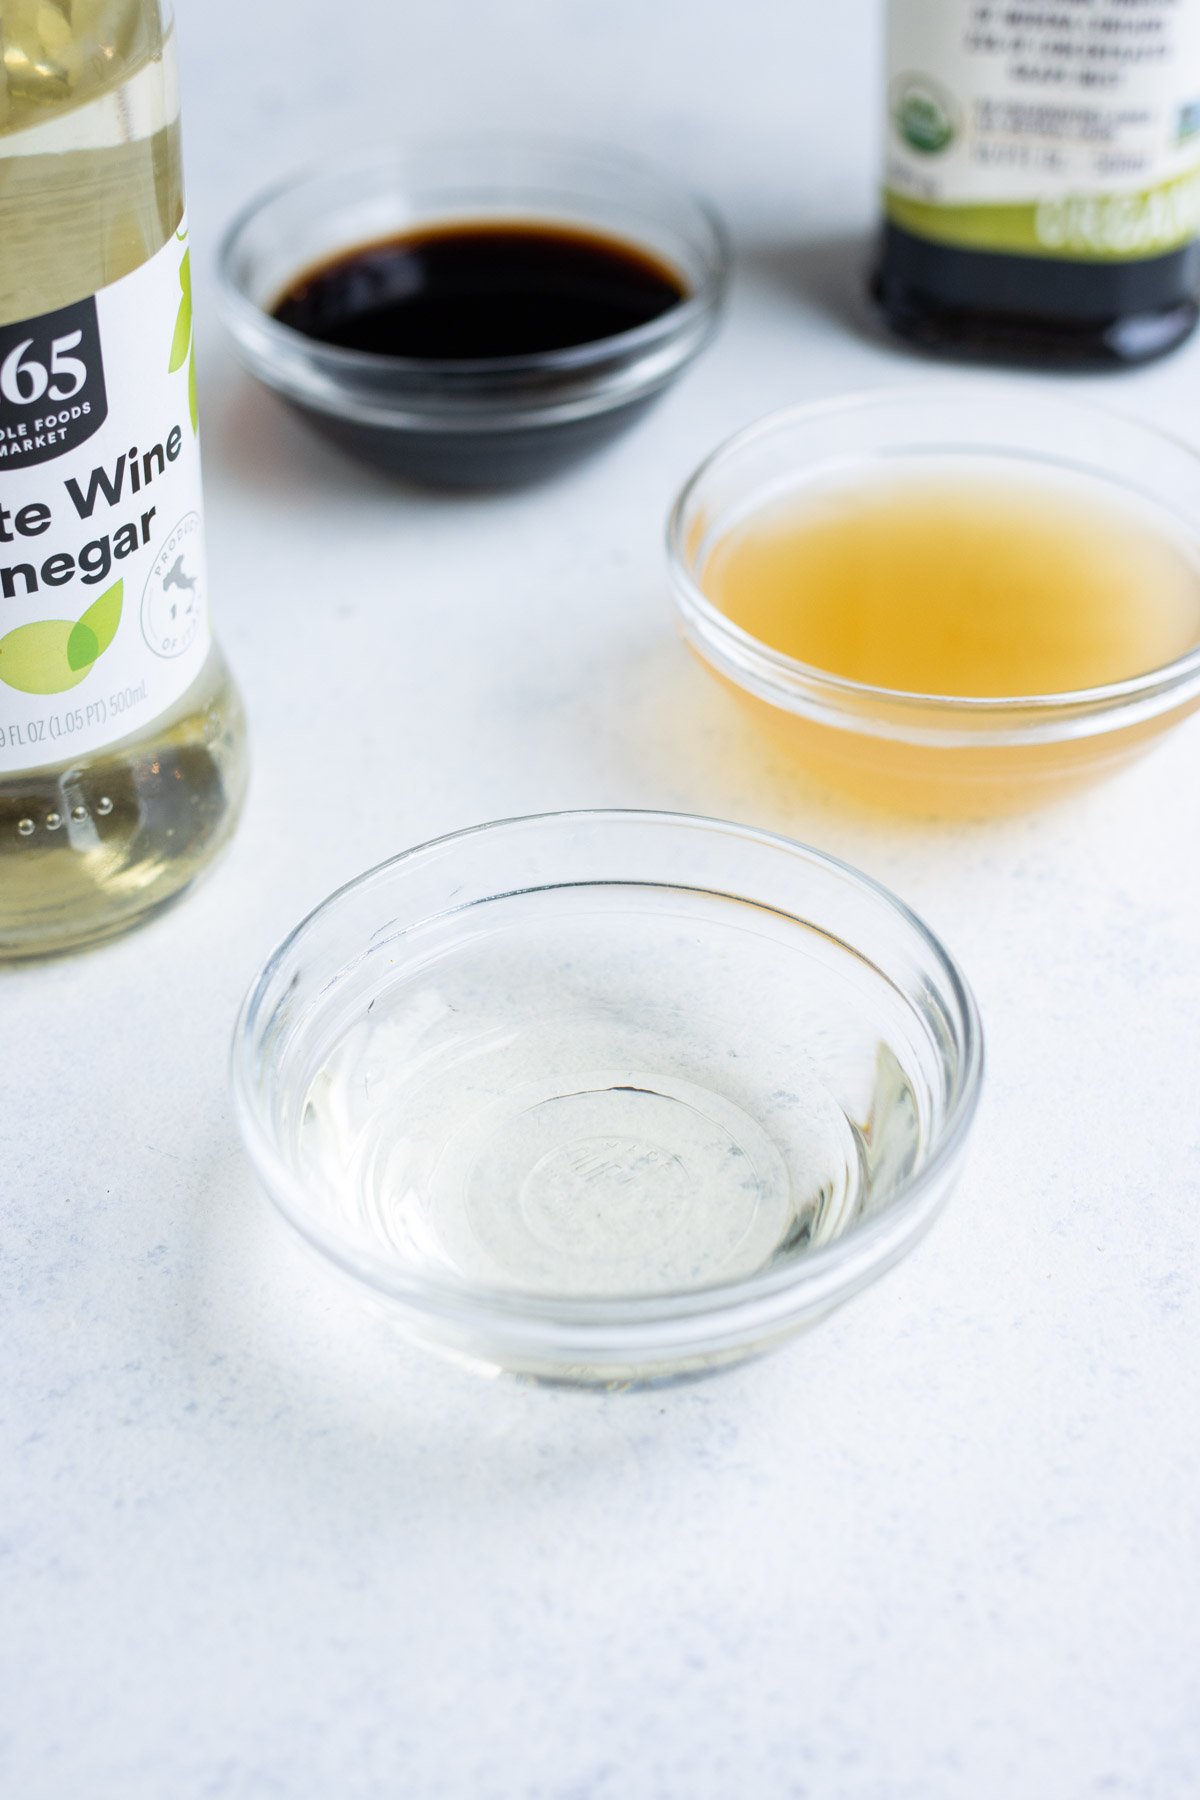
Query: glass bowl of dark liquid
pixel 476 312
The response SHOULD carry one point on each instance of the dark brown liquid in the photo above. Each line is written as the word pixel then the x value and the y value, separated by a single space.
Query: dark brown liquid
pixel 470 291
pixel 1036 309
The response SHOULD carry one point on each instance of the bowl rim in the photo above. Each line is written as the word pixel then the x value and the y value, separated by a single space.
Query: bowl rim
pixel 813 1283
pixel 794 684
pixel 697 308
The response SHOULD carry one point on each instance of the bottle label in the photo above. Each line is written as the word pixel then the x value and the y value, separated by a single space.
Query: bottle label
pixel 1067 129
pixel 103 614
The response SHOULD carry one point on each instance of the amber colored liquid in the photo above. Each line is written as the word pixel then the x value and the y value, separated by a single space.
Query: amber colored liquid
pixel 958 586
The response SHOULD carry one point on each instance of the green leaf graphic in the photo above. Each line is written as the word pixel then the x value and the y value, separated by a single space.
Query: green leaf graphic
pixel 35 659
pixel 82 649
pixel 181 342
pixel 103 617
pixel 52 655
pixel 193 404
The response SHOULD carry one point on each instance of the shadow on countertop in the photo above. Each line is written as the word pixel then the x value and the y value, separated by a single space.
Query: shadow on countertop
pixel 827 273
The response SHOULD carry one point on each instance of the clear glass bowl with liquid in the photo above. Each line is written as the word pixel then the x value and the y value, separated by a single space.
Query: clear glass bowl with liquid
pixel 608 1097
pixel 968 751
pixel 492 421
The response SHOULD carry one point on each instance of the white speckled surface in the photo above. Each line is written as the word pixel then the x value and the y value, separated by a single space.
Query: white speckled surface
pixel 249 1545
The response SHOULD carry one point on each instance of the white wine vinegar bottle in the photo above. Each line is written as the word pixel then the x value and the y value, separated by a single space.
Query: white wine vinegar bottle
pixel 122 741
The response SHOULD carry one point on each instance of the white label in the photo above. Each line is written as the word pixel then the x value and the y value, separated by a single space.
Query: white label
pixel 103 602
pixel 1067 104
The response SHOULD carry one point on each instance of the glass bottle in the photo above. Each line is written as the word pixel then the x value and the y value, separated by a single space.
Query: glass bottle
pixel 122 739
pixel 1042 194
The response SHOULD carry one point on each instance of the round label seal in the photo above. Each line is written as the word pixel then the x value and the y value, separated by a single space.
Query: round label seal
pixel 173 599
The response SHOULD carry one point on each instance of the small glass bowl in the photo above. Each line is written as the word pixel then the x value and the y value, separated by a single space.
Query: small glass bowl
pixel 494 421
pixel 608 1097
pixel 926 752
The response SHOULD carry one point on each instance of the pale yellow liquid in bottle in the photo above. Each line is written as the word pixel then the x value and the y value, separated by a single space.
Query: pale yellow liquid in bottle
pixel 90 188
pixel 957 586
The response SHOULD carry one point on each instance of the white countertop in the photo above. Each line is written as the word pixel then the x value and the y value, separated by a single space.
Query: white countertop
pixel 252 1545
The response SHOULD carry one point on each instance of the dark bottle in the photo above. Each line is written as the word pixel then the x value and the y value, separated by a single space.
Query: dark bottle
pixel 1042 195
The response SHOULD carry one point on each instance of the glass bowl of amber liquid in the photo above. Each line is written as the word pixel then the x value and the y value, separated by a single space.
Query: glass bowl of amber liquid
pixel 953 600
